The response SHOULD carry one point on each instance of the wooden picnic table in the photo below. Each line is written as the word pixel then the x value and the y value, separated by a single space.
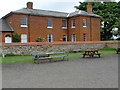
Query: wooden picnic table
pixel 118 50
pixel 39 56
pixel 91 53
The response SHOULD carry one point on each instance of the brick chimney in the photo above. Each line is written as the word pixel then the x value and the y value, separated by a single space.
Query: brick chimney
pixel 89 8
pixel 30 5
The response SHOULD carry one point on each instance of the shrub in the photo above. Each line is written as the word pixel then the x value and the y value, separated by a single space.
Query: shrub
pixel 15 38
pixel 41 39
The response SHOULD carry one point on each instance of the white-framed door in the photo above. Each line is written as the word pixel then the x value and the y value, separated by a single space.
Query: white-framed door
pixel 8 39
pixel 23 38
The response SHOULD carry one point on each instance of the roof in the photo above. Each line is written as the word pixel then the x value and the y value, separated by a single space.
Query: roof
pixel 83 13
pixel 41 12
pixel 5 26
pixel 51 13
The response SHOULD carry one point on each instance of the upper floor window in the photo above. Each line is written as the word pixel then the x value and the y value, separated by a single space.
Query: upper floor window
pixel 50 38
pixel 84 22
pixel 23 21
pixel 64 24
pixel 73 23
pixel 49 23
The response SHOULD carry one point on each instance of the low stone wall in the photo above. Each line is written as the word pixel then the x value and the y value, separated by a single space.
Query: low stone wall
pixel 35 47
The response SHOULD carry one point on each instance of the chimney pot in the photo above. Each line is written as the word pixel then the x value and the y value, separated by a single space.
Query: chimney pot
pixel 89 8
pixel 30 5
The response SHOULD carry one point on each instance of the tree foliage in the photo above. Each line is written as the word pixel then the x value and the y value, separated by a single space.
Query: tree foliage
pixel 15 38
pixel 41 39
pixel 110 12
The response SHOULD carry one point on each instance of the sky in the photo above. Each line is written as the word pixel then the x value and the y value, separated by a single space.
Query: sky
pixel 7 6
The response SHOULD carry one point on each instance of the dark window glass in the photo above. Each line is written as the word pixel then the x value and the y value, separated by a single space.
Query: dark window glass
pixel 64 38
pixel 73 23
pixel 84 36
pixel 64 23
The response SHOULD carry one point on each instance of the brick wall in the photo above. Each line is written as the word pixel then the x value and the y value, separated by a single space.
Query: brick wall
pixel 34 47
pixel 38 27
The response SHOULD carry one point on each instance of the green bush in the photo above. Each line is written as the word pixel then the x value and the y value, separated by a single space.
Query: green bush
pixel 41 39
pixel 15 38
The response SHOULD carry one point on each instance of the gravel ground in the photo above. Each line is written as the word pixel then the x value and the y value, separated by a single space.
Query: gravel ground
pixel 75 73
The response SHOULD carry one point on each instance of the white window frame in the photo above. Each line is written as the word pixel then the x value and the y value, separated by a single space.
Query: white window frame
pixel 22 40
pixel 50 36
pixel 73 21
pixel 10 39
pixel 73 37
pixel 84 21
pixel 51 25
pixel 21 23
pixel 62 24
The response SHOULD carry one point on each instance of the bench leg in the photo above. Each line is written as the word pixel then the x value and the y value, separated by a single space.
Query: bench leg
pixel 99 56
pixel 83 56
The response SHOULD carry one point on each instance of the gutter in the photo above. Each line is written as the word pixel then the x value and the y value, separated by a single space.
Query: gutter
pixel 67 30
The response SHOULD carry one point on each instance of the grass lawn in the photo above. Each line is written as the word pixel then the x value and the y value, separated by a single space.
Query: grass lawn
pixel 26 58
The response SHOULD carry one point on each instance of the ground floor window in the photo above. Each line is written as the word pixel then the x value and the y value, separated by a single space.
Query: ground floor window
pixel 8 38
pixel 84 36
pixel 65 38
pixel 50 38
pixel 73 37
pixel 23 38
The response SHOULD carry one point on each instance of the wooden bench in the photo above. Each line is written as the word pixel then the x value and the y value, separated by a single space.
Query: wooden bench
pixel 118 50
pixel 45 57
pixel 88 53
pixel 95 52
pixel 91 53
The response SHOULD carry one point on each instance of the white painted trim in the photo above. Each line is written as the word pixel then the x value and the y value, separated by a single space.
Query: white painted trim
pixel 72 27
pixel 49 27
pixel 84 26
pixel 24 26
pixel 64 27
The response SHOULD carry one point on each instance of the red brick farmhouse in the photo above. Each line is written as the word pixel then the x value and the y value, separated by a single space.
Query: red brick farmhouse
pixel 31 24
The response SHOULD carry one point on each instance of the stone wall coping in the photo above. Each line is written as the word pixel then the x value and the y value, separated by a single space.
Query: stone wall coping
pixel 55 43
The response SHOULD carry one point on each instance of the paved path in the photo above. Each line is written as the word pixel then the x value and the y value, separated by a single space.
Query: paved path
pixel 76 73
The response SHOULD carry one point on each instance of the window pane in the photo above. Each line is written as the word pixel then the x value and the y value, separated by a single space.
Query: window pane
pixel 73 37
pixel 84 22
pixel 84 37
pixel 49 22
pixel 64 22
pixel 50 38
pixel 73 23
pixel 64 38
pixel 23 20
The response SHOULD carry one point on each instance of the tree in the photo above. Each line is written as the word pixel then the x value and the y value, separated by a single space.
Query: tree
pixel 41 39
pixel 110 15
pixel 15 38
